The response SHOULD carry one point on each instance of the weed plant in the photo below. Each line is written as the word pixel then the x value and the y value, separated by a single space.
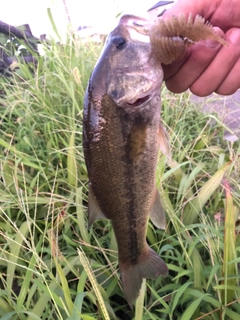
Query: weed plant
pixel 51 265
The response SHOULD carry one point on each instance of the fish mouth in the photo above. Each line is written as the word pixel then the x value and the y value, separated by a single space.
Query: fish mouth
pixel 140 101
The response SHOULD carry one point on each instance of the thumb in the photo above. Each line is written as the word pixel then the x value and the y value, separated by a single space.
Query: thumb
pixel 202 48
pixel 203 8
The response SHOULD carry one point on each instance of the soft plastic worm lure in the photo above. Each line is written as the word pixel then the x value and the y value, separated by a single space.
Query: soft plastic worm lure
pixel 170 37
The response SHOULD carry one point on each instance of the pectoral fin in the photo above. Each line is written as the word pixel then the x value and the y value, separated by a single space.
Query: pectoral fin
pixel 157 214
pixel 94 211
pixel 164 142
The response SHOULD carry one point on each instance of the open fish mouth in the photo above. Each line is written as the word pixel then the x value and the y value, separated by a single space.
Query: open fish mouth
pixel 135 96
pixel 140 101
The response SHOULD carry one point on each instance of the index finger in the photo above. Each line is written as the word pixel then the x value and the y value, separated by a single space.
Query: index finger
pixel 219 12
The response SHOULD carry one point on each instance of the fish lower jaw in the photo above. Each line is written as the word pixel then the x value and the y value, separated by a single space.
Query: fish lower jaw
pixel 139 102
pixel 135 102
pixel 137 107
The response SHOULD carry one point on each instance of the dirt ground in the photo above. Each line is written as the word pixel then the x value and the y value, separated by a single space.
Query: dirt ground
pixel 228 109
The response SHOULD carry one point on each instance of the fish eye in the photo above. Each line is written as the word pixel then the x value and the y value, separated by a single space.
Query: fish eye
pixel 119 42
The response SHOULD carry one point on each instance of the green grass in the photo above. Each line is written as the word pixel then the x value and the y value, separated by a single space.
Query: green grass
pixel 51 265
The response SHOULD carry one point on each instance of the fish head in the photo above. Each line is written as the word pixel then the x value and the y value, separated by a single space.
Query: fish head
pixel 127 71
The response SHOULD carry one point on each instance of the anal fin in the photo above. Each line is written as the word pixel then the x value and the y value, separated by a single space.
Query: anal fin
pixel 94 211
pixel 157 213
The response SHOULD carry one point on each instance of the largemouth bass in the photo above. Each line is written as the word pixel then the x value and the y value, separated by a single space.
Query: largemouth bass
pixel 122 135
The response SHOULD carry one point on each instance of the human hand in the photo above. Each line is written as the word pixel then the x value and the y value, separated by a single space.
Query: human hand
pixel 210 67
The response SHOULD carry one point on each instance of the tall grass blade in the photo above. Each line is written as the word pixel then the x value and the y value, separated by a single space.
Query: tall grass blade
pixel 188 314
pixel 4 307
pixel 48 291
pixel 76 315
pixel 229 254
pixel 15 247
pixel 26 282
pixel 177 296
pixel 65 287
pixel 195 206
pixel 140 302
pixel 9 316
pixel 81 216
pixel 53 23
pixel 71 162
pixel 88 269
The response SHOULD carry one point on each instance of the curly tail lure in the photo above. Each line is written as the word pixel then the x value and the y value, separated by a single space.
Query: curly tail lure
pixel 169 38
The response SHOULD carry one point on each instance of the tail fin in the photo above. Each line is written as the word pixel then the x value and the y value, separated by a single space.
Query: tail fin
pixel 149 266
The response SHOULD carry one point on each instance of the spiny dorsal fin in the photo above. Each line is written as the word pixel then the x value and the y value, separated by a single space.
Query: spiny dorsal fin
pixel 170 37
pixel 157 213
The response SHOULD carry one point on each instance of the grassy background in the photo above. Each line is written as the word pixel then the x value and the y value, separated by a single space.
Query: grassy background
pixel 51 266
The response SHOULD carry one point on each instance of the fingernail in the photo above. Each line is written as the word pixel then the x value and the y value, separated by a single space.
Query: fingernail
pixel 211 43
pixel 234 36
